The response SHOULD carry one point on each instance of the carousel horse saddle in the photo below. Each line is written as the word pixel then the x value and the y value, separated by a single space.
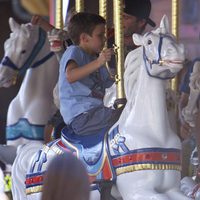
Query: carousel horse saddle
pixel 90 147
pixel 87 141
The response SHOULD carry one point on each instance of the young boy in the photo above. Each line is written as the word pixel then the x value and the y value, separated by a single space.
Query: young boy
pixel 83 77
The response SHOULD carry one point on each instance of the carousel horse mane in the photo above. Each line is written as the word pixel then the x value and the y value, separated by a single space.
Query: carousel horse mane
pixel 132 62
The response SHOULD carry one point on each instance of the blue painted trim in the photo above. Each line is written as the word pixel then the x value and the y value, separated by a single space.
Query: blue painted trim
pixel 24 129
pixel 145 58
pixel 36 49
pixel 7 62
pixel 38 63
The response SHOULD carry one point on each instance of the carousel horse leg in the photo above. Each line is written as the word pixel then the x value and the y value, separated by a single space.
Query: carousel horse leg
pixel 146 194
pixel 20 167
pixel 115 195
pixel 148 189
pixel 95 195
pixel 105 189
pixel 176 194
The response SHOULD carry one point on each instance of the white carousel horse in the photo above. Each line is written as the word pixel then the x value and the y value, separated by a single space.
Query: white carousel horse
pixel 27 50
pixel 171 98
pixel 140 153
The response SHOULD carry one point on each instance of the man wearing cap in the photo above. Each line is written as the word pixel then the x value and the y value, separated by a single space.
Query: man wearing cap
pixel 135 18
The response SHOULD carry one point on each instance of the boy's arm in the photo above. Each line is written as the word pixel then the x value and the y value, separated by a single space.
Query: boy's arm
pixel 38 20
pixel 75 73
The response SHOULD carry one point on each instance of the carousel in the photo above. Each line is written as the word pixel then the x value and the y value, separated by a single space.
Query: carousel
pixel 139 158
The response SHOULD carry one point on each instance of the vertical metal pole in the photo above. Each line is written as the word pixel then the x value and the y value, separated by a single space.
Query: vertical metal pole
pixel 59 17
pixel 119 42
pixel 79 6
pixel 175 31
pixel 103 10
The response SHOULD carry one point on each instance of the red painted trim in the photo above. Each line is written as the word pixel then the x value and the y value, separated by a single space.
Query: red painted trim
pixel 34 180
pixel 147 157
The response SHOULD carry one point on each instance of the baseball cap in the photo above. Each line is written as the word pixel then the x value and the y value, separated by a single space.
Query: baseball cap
pixel 140 9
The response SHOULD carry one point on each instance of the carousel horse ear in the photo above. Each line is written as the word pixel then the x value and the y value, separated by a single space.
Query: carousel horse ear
pixel 26 30
pixel 13 24
pixel 137 39
pixel 164 25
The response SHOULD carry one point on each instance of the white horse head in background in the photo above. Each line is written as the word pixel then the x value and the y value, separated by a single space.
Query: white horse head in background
pixel 27 51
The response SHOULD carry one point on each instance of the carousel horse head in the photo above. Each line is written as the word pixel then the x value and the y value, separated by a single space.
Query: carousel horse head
pixel 163 58
pixel 19 51
pixel 163 55
pixel 160 54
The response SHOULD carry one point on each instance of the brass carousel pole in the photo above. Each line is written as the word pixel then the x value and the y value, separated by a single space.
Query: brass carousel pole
pixel 103 9
pixel 119 42
pixel 79 6
pixel 59 17
pixel 103 12
pixel 175 31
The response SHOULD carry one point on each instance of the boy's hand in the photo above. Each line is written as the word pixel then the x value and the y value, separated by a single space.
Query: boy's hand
pixel 105 56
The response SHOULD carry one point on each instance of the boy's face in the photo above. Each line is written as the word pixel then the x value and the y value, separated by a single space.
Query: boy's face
pixel 97 40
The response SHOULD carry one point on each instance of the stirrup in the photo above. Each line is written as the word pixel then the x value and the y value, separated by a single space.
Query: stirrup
pixel 119 103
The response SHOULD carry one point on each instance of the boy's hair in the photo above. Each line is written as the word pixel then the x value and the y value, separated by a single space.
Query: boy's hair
pixel 83 22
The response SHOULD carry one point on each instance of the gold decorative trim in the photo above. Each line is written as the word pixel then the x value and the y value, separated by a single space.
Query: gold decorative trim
pixel 133 168
pixel 45 149
pixel 35 189
pixel 57 150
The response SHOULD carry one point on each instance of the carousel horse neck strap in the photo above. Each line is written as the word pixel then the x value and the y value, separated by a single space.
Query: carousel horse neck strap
pixel 159 59
pixel 36 49
pixel 148 159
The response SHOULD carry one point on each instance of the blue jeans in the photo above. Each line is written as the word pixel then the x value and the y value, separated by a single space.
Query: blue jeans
pixel 95 119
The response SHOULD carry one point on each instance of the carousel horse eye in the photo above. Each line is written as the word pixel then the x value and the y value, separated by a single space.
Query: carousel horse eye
pixel 149 42
pixel 23 51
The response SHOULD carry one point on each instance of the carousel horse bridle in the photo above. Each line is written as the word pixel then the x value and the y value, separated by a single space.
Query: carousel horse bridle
pixel 159 60
pixel 6 61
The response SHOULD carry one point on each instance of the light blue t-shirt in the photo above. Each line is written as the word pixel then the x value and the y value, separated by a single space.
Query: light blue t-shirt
pixel 76 98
